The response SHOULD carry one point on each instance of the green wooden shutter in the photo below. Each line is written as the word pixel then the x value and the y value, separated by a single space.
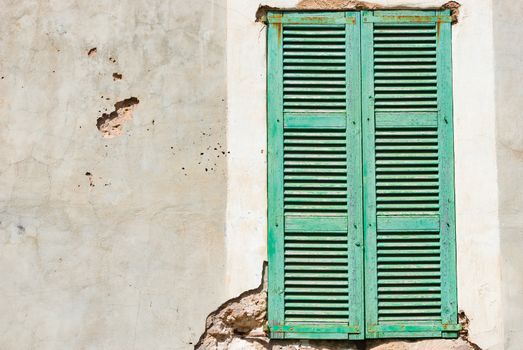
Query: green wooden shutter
pixel 360 156
pixel 314 176
pixel 409 220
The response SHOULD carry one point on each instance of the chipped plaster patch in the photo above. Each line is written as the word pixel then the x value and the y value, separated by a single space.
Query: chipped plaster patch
pixel 111 125
pixel 238 322
pixel 90 177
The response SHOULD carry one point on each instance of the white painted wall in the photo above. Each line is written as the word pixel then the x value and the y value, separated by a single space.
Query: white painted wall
pixel 246 136
pixel 478 232
pixel 508 59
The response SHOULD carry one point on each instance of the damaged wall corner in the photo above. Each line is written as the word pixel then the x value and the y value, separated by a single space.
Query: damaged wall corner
pixel 241 319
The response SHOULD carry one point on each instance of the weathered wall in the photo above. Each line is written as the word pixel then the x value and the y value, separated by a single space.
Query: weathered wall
pixel 133 255
pixel 478 229
pixel 130 242
pixel 508 55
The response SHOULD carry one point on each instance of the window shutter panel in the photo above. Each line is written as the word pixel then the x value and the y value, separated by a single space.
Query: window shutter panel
pixel 410 276
pixel 314 176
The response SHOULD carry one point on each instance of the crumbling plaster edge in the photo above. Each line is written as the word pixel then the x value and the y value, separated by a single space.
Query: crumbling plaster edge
pixel 351 5
pixel 260 289
pixel 224 325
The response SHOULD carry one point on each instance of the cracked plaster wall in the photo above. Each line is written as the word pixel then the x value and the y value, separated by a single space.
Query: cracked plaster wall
pixel 111 243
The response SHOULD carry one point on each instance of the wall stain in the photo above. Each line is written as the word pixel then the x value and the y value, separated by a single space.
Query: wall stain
pixel 90 177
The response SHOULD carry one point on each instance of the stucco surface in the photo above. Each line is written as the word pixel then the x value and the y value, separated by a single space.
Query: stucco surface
pixel 131 256
pixel 508 44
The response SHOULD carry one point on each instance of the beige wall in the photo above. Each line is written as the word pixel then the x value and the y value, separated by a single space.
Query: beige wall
pixel 138 260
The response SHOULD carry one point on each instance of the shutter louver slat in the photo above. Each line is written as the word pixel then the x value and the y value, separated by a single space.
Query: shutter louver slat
pixel 306 200
pixel 305 67
pixel 416 59
pixel 412 183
